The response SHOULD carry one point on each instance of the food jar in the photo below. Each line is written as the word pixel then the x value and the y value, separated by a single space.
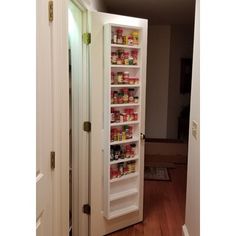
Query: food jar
pixel 126 58
pixel 136 99
pixel 119 32
pixel 112 77
pixel 126 77
pixel 115 97
pixel 130 40
pixel 120 98
pixel 113 58
pixel 134 54
pixel 126 95
pixel 112 116
pixel 114 37
pixel 131 60
pixel 133 148
pixel 135 115
pixel 120 77
pixel 135 35
pixel 131 80
pixel 136 81
pixel 131 95
pixel 117 116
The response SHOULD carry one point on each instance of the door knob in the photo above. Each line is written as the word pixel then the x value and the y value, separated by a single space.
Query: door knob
pixel 142 136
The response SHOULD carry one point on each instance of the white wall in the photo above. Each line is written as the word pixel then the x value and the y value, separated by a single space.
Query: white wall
pixel 192 218
pixel 157 81
pixel 181 46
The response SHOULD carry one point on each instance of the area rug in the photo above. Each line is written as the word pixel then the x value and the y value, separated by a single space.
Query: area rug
pixel 156 173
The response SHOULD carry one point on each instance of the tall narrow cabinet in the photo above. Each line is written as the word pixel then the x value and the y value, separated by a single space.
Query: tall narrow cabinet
pixel 122 119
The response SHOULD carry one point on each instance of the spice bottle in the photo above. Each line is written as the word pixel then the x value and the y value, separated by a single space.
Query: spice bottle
pixel 115 97
pixel 113 58
pixel 126 95
pixel 135 35
pixel 131 95
pixel 126 77
pixel 126 58
pixel 119 32
pixel 120 77
pixel 134 54
pixel 130 40
pixel 112 77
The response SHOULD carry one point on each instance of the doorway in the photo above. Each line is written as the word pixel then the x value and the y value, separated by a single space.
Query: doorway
pixel 79 113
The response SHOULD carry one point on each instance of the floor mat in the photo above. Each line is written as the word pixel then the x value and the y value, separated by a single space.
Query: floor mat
pixel 156 173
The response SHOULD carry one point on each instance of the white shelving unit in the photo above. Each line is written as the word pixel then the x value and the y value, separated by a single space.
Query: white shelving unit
pixel 121 194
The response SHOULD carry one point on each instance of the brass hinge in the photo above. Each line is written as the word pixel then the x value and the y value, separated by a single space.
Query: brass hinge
pixel 50 11
pixel 87 38
pixel 87 126
pixel 86 209
pixel 53 161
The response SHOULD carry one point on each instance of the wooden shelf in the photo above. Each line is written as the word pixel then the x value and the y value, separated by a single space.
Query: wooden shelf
pixel 124 177
pixel 123 211
pixel 125 66
pixel 125 105
pixel 130 192
pixel 126 123
pixel 125 46
pixel 124 160
pixel 125 141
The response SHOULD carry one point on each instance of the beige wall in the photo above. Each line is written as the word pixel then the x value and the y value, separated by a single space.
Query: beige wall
pixel 181 45
pixel 157 81
pixel 94 5
pixel 192 218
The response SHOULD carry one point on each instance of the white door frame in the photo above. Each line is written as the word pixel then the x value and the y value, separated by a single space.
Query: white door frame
pixel 80 140
pixel 60 118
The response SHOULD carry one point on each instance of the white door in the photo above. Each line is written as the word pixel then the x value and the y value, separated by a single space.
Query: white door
pixel 115 204
pixel 44 123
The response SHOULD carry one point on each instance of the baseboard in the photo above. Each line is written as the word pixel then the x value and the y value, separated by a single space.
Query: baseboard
pixel 185 231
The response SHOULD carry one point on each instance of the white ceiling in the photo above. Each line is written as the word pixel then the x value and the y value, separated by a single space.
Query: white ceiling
pixel 156 11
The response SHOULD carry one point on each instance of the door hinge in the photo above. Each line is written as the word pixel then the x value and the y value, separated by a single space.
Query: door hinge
pixel 87 126
pixel 86 209
pixel 87 38
pixel 50 11
pixel 53 161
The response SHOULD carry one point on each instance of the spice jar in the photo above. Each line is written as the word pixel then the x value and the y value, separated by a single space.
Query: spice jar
pixel 126 58
pixel 131 80
pixel 132 151
pixel 126 169
pixel 135 115
pixel 120 98
pixel 136 99
pixel 126 77
pixel 131 60
pixel 113 58
pixel 131 95
pixel 130 40
pixel 121 169
pixel 114 37
pixel 135 35
pixel 112 77
pixel 117 116
pixel 125 40
pixel 120 77
pixel 136 81
pixel 115 97
pixel 119 32
pixel 112 115
pixel 134 54
pixel 126 95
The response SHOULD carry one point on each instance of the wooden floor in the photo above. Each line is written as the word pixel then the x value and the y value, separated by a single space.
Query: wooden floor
pixel 164 207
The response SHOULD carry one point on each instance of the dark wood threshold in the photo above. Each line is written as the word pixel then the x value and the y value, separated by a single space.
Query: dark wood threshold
pixel 163 140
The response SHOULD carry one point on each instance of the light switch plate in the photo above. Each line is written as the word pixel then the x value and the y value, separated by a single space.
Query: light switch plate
pixel 195 129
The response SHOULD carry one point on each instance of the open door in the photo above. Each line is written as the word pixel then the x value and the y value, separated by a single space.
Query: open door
pixel 118 80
